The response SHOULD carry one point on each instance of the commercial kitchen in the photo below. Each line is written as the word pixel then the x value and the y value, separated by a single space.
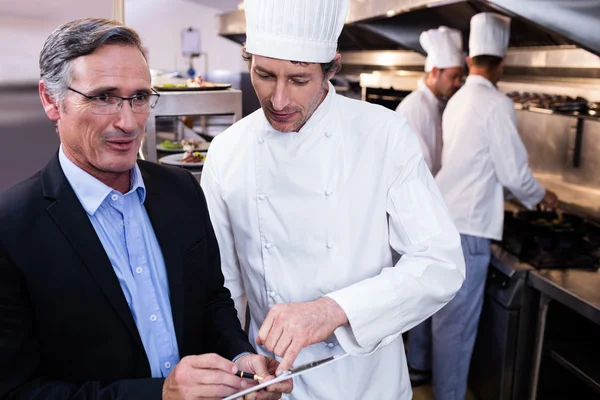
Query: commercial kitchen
pixel 539 332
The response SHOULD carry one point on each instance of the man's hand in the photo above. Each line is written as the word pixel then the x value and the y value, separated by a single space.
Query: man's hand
pixel 550 200
pixel 202 377
pixel 290 327
pixel 265 367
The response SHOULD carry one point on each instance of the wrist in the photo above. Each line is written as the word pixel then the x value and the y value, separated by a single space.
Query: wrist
pixel 335 314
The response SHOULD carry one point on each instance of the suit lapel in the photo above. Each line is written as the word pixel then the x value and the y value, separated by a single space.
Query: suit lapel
pixel 73 222
pixel 168 235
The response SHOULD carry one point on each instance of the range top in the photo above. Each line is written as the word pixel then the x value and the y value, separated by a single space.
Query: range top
pixel 543 247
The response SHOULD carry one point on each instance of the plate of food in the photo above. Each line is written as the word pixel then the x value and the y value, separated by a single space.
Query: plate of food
pixel 169 146
pixel 190 159
pixel 192 85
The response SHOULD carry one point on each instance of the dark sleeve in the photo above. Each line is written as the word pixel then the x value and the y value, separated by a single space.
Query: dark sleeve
pixel 20 356
pixel 223 325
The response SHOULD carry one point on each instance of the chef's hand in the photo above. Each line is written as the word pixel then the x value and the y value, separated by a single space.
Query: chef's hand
pixel 203 377
pixel 550 200
pixel 265 367
pixel 290 327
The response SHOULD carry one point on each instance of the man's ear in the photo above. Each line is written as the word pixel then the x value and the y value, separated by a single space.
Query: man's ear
pixel 50 106
pixel 244 55
pixel 468 59
pixel 337 59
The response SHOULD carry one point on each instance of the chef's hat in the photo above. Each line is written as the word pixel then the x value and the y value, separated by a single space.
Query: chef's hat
pixel 295 30
pixel 443 47
pixel 489 35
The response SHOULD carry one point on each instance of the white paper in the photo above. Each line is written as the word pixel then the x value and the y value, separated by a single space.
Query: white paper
pixel 190 42
pixel 285 376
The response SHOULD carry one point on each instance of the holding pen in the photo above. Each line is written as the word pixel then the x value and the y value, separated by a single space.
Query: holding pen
pixel 248 375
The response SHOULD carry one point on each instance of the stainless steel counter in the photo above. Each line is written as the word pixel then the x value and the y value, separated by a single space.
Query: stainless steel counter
pixel 577 289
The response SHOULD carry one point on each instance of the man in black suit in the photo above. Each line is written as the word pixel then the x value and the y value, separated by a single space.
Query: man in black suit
pixel 110 277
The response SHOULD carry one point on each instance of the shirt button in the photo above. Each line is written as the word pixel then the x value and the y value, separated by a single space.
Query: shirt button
pixel 331 345
pixel 261 196
pixel 328 134
pixel 260 140
pixel 115 197
pixel 268 245
pixel 272 294
pixel 139 270
pixel 153 318
pixel 328 193
pixel 330 245
pixel 167 365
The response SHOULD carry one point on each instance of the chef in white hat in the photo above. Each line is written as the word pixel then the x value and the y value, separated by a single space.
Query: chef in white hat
pixel 482 154
pixel 308 196
pixel 423 107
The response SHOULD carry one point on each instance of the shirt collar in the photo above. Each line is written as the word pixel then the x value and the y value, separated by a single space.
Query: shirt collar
pixel 479 80
pixel 89 190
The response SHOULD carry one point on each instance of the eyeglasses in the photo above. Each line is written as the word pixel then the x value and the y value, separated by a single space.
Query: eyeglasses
pixel 141 103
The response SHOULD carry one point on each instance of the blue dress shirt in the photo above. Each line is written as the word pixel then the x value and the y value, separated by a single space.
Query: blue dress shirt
pixel 124 228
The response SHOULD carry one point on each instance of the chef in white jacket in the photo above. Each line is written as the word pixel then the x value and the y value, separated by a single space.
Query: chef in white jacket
pixel 309 195
pixel 423 107
pixel 482 154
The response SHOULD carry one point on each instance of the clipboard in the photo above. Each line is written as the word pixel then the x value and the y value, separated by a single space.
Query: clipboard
pixel 299 370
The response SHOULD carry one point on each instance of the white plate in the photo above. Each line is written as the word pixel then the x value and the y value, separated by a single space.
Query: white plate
pixel 173 159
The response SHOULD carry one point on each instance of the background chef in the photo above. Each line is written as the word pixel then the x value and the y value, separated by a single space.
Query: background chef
pixel 482 153
pixel 423 108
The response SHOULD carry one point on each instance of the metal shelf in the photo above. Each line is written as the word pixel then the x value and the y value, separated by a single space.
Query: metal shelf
pixel 190 103
pixel 551 112
pixel 580 363
pixel 578 127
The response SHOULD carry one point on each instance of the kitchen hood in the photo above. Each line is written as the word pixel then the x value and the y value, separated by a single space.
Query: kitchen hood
pixel 232 25
pixel 397 24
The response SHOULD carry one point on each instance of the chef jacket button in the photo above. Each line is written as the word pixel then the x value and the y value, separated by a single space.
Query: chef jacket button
pixel 331 345
pixel 261 196
pixel 330 245
pixel 328 134
pixel 268 245
pixel 328 193
pixel 260 140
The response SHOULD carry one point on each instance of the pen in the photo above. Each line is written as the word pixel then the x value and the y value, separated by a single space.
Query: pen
pixel 248 375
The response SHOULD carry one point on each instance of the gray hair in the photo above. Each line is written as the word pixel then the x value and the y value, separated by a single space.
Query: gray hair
pixel 76 39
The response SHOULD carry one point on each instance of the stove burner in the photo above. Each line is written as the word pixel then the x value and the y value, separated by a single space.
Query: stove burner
pixel 551 250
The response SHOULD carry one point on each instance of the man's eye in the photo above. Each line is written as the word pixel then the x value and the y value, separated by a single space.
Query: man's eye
pixel 263 76
pixel 140 97
pixel 300 83
pixel 102 98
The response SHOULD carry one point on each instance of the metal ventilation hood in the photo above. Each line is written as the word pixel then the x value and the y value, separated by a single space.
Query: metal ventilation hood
pixel 397 24
pixel 354 37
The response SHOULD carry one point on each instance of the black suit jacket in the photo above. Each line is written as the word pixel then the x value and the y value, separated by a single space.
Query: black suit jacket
pixel 66 331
